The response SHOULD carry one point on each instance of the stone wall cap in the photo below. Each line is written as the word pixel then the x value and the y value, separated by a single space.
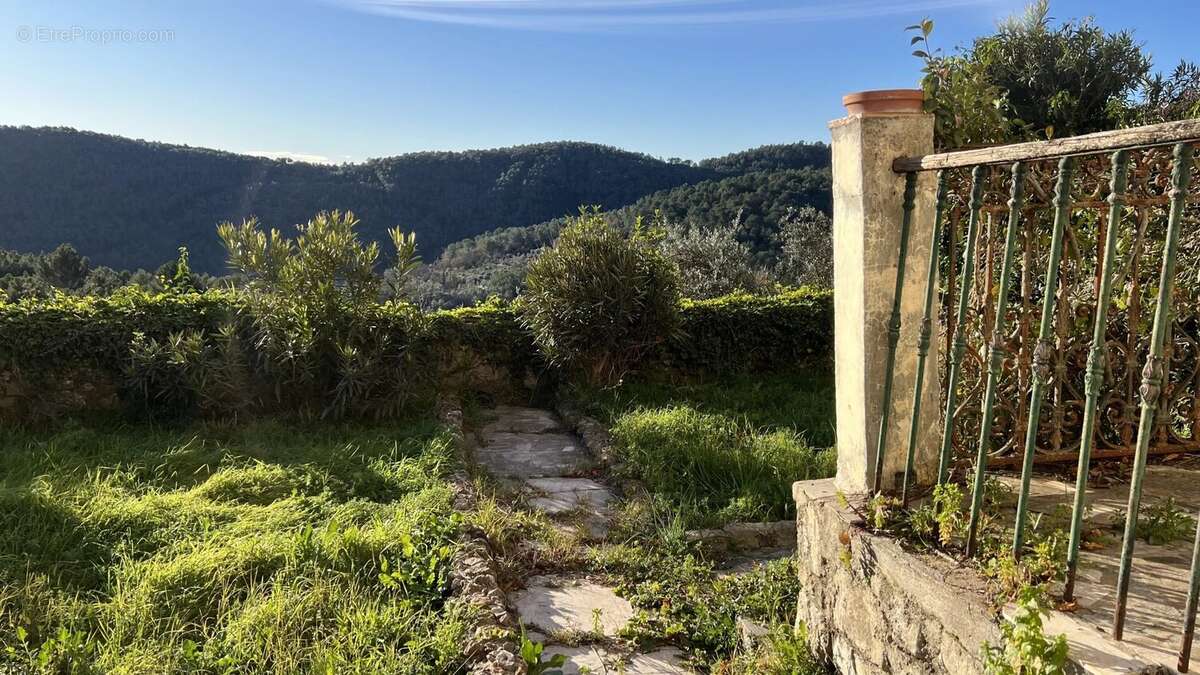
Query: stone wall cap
pixel 804 491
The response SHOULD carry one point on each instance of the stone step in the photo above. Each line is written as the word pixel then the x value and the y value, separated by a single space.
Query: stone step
pixel 745 563
pixel 596 660
pixel 561 495
pixel 516 420
pixel 518 455
pixel 584 499
pixel 552 605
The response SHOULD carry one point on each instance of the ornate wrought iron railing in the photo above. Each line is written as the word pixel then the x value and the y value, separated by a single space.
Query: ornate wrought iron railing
pixel 1067 279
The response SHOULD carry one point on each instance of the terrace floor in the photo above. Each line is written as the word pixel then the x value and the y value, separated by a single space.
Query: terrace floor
pixel 1159 583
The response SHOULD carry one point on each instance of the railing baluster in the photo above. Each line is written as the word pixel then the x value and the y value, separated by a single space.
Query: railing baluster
pixel 995 354
pixel 926 332
pixel 1152 376
pixel 1094 377
pixel 1043 353
pixel 910 195
pixel 960 338
pixel 1189 614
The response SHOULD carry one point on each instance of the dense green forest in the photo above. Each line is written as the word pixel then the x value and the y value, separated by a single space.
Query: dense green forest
pixel 754 206
pixel 771 158
pixel 130 204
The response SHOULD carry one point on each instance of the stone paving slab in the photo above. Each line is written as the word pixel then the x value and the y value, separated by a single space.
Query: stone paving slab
pixel 513 419
pixel 552 604
pixel 585 659
pixel 568 494
pixel 1158 584
pixel 581 496
pixel 666 661
pixel 512 455
pixel 596 660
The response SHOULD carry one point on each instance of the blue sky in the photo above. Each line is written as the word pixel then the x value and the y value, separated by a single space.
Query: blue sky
pixel 344 80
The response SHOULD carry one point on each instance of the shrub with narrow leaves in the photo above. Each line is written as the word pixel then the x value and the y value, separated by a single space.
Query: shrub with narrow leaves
pixel 599 301
pixel 314 305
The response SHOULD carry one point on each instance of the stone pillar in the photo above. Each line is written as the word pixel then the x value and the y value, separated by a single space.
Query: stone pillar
pixel 867 213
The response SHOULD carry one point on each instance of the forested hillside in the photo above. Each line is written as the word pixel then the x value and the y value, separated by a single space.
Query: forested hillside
pixel 772 158
pixel 131 203
pixel 755 204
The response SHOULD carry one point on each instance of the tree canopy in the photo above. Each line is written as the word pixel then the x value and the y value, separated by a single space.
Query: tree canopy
pixel 1036 78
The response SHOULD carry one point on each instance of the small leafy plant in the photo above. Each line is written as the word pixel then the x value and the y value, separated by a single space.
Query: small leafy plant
pixel 531 654
pixel 1025 648
pixel 66 651
pixel 1163 522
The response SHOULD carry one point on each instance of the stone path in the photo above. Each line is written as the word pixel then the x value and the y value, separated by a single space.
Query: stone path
pixel 531 449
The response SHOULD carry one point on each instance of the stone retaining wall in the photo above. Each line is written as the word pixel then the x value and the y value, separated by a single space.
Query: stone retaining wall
pixel 871 607
pixel 35 397
pixel 71 391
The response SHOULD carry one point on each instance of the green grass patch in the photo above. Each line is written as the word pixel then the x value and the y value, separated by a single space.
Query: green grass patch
pixel 679 598
pixel 801 401
pixel 713 468
pixel 723 449
pixel 265 548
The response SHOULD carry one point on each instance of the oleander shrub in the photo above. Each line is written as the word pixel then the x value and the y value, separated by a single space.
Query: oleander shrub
pixel 314 304
pixel 599 301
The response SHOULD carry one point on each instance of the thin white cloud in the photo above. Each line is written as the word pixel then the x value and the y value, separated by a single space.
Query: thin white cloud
pixel 582 15
pixel 293 156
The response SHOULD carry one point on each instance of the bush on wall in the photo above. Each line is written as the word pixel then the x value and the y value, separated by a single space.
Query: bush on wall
pixel 599 301
pixel 315 313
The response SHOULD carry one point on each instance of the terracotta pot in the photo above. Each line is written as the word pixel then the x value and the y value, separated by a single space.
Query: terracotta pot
pixel 890 101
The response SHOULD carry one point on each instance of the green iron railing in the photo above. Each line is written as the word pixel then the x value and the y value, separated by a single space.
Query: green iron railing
pixel 1042 353
pixel 988 309
pixel 1094 378
pixel 1152 379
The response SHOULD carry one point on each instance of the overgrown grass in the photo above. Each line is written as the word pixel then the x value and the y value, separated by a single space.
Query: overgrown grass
pixel 727 449
pixel 680 598
pixel 801 400
pixel 716 469
pixel 257 549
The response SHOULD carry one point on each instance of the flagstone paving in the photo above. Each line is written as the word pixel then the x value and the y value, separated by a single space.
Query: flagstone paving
pixel 563 495
pixel 532 448
pixel 507 454
pixel 553 605
pixel 594 660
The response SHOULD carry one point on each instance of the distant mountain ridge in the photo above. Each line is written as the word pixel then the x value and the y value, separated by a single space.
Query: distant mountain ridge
pixel 130 203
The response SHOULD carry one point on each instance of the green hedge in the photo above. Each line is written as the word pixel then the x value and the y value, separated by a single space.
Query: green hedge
pixel 71 331
pixel 492 329
pixel 732 333
pixel 740 332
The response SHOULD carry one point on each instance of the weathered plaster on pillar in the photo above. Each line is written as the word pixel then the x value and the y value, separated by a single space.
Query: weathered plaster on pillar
pixel 867 213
